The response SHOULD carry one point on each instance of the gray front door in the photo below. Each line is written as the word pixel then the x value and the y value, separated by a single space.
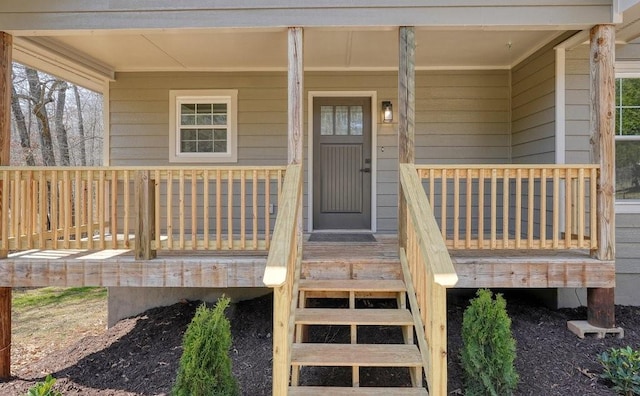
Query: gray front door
pixel 342 163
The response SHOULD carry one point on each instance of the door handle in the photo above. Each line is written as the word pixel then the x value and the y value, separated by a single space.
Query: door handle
pixel 365 170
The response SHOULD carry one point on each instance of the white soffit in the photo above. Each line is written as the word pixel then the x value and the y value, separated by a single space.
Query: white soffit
pixel 325 49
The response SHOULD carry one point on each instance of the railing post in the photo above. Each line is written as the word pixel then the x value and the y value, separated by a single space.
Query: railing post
pixel 145 216
pixel 600 302
pixel 406 116
pixel 6 41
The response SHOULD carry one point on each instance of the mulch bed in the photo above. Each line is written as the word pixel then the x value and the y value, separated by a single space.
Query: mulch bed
pixel 139 356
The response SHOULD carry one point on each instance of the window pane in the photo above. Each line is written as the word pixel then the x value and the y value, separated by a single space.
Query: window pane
pixel 204 119
pixel 326 120
pixel 342 120
pixel 219 119
pixel 188 134
pixel 204 108
pixel 220 134
pixel 205 146
pixel 188 147
pixel 188 108
pixel 188 119
pixel 220 146
pixel 220 108
pixel 205 134
pixel 630 91
pixel 630 119
pixel 627 169
pixel 356 120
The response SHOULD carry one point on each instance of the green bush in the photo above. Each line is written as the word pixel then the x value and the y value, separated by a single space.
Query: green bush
pixel 489 350
pixel 205 365
pixel 44 388
pixel 622 369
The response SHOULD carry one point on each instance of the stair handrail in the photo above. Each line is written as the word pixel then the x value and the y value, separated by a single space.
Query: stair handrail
pixel 282 273
pixel 428 271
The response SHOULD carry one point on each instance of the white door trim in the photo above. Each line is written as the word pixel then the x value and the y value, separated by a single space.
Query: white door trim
pixel 374 144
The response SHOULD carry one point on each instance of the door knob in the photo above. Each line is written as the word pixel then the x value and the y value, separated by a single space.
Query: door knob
pixel 365 170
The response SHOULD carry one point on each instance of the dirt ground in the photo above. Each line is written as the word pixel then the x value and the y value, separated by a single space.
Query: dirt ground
pixel 139 356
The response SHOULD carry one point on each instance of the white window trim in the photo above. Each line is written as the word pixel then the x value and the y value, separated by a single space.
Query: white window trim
pixel 626 70
pixel 230 96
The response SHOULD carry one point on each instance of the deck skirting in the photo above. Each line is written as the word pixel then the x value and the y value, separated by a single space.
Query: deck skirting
pixel 125 271
pixel 531 269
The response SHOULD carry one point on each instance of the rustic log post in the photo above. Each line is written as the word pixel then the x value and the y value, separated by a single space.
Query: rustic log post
pixel 601 302
pixel 282 294
pixel 295 104
pixel 6 42
pixel 406 116
pixel 145 215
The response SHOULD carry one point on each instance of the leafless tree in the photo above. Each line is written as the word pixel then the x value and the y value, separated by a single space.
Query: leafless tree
pixel 50 127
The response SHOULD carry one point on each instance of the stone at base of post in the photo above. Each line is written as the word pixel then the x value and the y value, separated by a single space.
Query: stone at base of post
pixel 601 307
pixel 582 327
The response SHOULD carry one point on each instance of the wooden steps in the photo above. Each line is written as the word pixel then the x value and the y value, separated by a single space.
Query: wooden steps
pixel 355 355
pixel 362 317
pixel 361 288
pixel 359 355
pixel 367 285
pixel 347 391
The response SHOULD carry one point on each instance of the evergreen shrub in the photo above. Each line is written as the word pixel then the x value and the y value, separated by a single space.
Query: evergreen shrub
pixel 205 365
pixel 489 349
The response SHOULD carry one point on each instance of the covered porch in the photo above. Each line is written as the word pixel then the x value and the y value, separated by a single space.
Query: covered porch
pixel 492 224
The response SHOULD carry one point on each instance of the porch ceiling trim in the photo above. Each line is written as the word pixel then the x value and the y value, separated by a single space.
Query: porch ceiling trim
pixel 45 55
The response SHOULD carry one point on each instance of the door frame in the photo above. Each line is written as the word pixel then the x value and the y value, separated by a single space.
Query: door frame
pixel 373 95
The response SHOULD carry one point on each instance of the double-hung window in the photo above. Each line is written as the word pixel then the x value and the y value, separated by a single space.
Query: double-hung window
pixel 203 126
pixel 628 143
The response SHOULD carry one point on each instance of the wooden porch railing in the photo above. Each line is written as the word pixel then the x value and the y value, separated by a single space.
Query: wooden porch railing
pixel 202 208
pixel 428 272
pixel 514 206
pixel 282 273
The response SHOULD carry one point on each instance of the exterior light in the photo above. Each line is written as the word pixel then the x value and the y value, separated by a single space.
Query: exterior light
pixel 387 112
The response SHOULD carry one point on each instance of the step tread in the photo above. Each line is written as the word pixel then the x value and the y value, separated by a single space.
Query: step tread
pixel 345 316
pixel 360 285
pixel 345 391
pixel 363 355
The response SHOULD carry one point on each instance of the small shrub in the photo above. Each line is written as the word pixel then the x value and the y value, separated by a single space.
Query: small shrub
pixel 489 350
pixel 205 365
pixel 622 369
pixel 44 388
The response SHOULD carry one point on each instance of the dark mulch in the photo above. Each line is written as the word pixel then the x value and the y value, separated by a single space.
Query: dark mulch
pixel 139 356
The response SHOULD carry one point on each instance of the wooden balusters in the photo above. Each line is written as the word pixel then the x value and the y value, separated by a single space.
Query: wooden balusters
pixel 520 216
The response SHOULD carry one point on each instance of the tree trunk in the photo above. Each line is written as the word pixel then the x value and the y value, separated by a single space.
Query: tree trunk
pixel 23 131
pixel 39 101
pixel 61 131
pixel 83 150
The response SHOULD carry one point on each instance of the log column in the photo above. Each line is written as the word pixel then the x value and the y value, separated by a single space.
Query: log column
pixel 5 143
pixel 600 301
pixel 406 116
pixel 295 76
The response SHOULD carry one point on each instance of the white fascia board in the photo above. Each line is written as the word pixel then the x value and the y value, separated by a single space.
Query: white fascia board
pixel 50 58
pixel 43 15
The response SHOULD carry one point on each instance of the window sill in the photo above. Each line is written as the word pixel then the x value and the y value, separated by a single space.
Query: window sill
pixel 229 158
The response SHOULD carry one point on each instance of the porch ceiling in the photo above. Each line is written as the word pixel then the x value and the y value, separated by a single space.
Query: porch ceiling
pixel 266 49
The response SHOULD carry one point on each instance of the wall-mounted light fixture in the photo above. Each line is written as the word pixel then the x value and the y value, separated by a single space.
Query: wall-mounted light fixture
pixel 387 112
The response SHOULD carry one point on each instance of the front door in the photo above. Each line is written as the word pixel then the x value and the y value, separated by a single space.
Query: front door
pixel 342 163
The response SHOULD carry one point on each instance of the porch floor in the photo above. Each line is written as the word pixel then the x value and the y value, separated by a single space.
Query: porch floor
pixel 333 260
